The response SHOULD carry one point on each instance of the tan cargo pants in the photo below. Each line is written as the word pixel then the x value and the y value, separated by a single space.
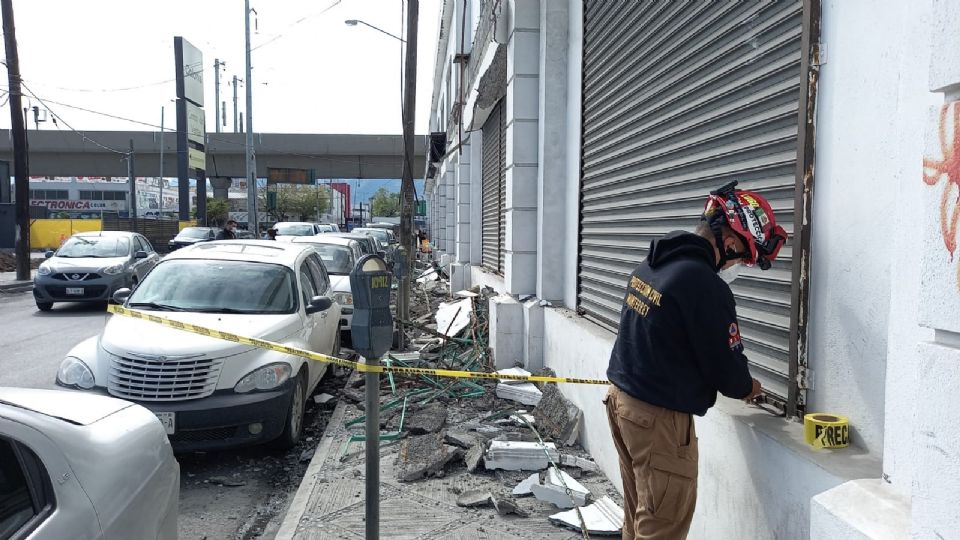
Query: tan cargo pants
pixel 658 464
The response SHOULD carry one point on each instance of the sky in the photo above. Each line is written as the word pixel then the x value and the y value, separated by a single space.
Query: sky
pixel 311 72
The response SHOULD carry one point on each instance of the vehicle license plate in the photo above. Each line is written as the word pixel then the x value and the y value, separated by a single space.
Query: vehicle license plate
pixel 169 421
pixel 78 291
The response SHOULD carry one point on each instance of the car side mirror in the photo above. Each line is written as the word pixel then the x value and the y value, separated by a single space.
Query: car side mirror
pixel 120 295
pixel 318 304
pixel 48 254
pixel 140 255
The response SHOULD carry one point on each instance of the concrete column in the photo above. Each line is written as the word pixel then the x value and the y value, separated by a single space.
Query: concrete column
pixel 463 179
pixel 937 453
pixel 476 198
pixel 523 109
pixel 451 215
pixel 552 150
pixel 506 331
pixel 442 211
pixel 221 187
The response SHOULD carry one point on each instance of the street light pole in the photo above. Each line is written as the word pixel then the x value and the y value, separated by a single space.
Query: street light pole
pixel 252 224
pixel 406 183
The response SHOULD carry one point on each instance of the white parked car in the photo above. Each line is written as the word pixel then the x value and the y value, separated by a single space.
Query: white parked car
pixel 211 393
pixel 83 466
pixel 339 256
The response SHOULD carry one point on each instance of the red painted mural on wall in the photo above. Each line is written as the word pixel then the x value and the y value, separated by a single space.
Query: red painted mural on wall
pixel 947 170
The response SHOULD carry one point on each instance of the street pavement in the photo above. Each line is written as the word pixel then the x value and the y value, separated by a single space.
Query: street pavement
pixel 32 343
pixel 231 494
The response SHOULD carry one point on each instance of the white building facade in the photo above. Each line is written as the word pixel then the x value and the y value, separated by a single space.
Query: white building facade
pixel 569 133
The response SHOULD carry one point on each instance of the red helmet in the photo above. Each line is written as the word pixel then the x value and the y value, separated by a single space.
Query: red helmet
pixel 750 216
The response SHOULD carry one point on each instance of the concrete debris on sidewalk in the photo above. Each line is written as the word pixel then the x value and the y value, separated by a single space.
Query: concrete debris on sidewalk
pixel 602 518
pixel 557 417
pixel 520 455
pixel 453 450
pixel 560 489
pixel 424 456
pixel 521 392
pixel 323 398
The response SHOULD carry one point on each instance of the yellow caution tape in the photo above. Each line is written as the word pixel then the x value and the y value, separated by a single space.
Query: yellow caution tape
pixel 826 430
pixel 318 357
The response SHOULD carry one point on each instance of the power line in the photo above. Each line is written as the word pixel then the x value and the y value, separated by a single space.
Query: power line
pixel 80 133
pixel 298 21
pixel 123 89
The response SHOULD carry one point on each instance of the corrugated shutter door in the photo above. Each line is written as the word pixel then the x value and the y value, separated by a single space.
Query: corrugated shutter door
pixel 494 189
pixel 679 98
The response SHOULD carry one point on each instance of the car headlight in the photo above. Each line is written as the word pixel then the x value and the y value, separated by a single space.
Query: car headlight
pixel 73 372
pixel 343 298
pixel 113 270
pixel 44 270
pixel 266 378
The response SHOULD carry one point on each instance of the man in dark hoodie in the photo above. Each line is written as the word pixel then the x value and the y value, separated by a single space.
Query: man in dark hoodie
pixel 678 345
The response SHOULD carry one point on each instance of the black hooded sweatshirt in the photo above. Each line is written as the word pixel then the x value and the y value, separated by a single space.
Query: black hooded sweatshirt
pixel 679 340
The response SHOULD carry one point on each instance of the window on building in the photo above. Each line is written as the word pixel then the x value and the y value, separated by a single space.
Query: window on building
pixel 49 194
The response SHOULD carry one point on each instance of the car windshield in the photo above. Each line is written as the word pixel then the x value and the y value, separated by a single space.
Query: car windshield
pixel 95 246
pixel 193 232
pixel 294 229
pixel 337 259
pixel 213 286
pixel 379 234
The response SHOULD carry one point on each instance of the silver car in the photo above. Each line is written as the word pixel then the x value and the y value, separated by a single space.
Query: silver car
pixel 83 466
pixel 91 266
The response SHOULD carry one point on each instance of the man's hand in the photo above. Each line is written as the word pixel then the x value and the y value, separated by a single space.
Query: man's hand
pixel 754 392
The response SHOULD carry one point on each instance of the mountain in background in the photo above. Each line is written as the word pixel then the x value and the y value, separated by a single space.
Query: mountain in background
pixel 363 190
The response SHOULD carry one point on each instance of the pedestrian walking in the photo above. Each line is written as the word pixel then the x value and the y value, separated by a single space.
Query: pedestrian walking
pixel 271 234
pixel 229 231
pixel 679 344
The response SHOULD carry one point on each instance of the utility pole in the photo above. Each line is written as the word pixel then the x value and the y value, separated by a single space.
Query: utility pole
pixel 236 127
pixel 406 185
pixel 162 110
pixel 217 64
pixel 252 224
pixel 133 187
pixel 20 173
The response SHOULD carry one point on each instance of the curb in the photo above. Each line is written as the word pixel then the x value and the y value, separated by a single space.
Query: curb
pixel 20 286
pixel 298 506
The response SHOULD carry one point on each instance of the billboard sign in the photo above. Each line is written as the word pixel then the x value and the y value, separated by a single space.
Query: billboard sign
pixel 196 124
pixel 189 61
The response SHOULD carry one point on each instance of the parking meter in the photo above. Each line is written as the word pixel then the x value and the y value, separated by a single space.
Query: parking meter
pixel 372 336
pixel 372 325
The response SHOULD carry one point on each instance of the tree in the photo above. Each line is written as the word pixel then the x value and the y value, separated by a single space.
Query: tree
pixel 385 204
pixel 218 211
pixel 298 203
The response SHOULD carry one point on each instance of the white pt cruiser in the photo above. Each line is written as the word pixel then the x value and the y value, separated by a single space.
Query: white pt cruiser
pixel 211 393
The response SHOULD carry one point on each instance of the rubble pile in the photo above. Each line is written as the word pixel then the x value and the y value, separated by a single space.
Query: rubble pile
pixel 488 434
pixel 8 262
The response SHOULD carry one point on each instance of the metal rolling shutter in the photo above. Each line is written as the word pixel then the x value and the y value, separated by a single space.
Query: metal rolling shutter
pixel 679 98
pixel 494 189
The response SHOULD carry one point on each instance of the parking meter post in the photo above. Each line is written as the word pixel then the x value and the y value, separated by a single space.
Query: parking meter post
pixel 372 511
pixel 372 333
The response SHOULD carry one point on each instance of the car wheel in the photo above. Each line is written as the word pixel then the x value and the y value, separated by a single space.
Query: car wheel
pixel 336 343
pixel 294 422
pixel 44 306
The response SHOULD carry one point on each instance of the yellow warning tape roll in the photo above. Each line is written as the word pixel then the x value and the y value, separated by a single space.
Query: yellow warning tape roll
pixel 826 430
pixel 359 366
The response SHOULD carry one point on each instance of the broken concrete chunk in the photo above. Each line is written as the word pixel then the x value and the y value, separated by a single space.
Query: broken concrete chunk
pixel 514 371
pixel 423 456
pixel 553 489
pixel 462 439
pixel 558 418
pixel 426 420
pixel 524 488
pixel 579 462
pixel 472 499
pixel 526 393
pixel 472 459
pixel 603 517
pixel 226 482
pixel 454 317
pixel 519 456
pixel 356 396
pixel 506 506
pixel 323 398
